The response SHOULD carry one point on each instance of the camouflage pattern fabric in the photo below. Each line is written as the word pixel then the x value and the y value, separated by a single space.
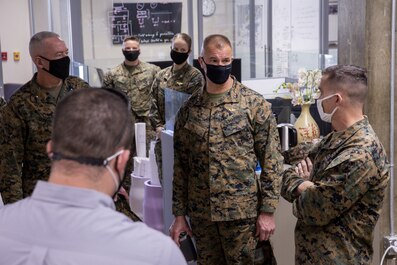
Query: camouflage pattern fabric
pixel 2 102
pixel 230 242
pixel 26 129
pixel 136 84
pixel 217 145
pixel 337 216
pixel 123 206
pixel 188 80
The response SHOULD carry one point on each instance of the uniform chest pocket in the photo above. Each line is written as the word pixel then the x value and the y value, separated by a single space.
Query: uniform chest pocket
pixel 143 83
pixel 235 124
pixel 120 81
pixel 237 131
pixel 195 129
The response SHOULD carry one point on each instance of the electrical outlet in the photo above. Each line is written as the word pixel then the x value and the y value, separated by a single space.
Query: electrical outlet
pixel 390 241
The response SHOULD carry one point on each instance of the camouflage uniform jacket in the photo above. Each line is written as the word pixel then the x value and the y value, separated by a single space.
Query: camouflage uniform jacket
pixel 2 102
pixel 188 79
pixel 136 85
pixel 26 129
pixel 337 216
pixel 217 145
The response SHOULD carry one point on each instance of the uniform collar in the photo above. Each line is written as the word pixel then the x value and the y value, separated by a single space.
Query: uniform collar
pixel 183 69
pixel 135 69
pixel 336 139
pixel 42 95
pixel 232 96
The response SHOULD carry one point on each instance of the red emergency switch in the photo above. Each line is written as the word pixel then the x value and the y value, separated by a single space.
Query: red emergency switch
pixel 4 56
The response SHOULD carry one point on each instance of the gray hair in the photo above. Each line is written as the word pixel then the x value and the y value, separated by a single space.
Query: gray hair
pixel 36 41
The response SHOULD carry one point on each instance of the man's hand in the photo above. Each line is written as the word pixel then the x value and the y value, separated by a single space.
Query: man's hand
pixel 178 226
pixel 304 168
pixel 265 226
pixel 303 186
pixel 158 132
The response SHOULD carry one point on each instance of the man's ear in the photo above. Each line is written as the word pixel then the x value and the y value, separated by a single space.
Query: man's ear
pixel 49 149
pixel 41 63
pixel 339 99
pixel 202 64
pixel 122 161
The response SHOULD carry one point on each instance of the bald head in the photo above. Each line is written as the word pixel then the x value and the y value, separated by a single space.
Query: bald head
pixel 217 41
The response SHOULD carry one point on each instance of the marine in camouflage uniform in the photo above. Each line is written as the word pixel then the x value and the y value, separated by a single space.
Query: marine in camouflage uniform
pixel 135 82
pixel 188 80
pixel 337 216
pixel 217 145
pixel 338 201
pixel 26 129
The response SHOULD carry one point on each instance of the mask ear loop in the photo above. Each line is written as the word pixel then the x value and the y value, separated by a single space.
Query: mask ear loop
pixel 116 182
pixel 106 164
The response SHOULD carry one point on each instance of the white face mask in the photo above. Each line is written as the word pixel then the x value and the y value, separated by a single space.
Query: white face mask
pixel 117 182
pixel 327 117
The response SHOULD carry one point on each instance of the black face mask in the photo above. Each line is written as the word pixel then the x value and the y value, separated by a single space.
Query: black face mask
pixel 131 55
pixel 59 67
pixel 218 73
pixel 179 57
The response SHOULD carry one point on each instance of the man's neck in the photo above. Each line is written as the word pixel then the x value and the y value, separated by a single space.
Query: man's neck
pixel 213 88
pixel 80 179
pixel 346 119
pixel 47 81
pixel 131 63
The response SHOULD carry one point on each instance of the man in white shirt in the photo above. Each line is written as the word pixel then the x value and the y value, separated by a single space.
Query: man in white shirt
pixel 71 218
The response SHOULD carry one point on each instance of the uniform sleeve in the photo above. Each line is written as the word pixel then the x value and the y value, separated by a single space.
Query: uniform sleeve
pixel 291 180
pixel 267 148
pixel 299 152
pixel 155 117
pixel 11 155
pixel 196 83
pixel 108 80
pixel 289 184
pixel 181 165
pixel 2 102
pixel 344 182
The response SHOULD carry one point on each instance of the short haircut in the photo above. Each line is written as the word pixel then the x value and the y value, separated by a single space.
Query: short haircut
pixel 220 42
pixel 349 78
pixel 92 122
pixel 132 38
pixel 36 42
pixel 185 37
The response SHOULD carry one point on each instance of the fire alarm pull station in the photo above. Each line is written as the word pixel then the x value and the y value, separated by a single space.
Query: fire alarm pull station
pixel 4 56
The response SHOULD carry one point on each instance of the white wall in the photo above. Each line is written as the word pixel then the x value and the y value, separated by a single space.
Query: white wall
pixel 14 36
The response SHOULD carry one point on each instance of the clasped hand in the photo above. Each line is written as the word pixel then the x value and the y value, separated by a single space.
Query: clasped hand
pixel 304 168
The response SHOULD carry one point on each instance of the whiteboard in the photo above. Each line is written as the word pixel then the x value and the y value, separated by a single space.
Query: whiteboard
pixel 296 36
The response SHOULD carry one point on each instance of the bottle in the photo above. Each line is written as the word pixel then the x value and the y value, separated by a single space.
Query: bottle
pixel 187 247
pixel 258 170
